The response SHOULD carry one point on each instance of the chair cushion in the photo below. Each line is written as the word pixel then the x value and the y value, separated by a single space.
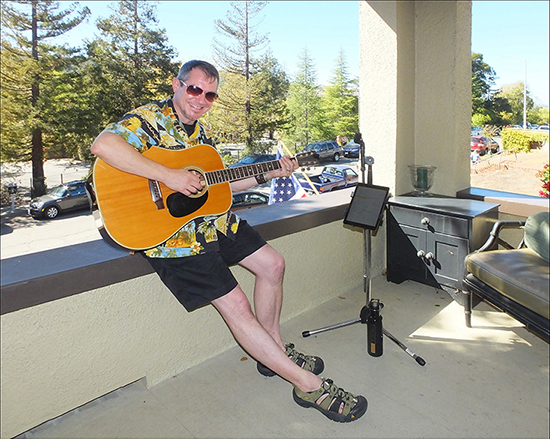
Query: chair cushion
pixel 519 274
pixel 537 234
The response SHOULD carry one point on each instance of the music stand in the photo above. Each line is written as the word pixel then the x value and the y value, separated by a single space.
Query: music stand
pixel 366 211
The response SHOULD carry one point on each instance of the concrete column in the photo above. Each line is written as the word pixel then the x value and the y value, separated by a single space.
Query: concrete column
pixel 415 93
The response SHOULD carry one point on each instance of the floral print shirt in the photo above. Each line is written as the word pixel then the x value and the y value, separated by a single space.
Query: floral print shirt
pixel 156 124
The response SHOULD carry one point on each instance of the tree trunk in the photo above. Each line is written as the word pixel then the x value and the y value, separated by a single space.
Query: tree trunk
pixel 38 180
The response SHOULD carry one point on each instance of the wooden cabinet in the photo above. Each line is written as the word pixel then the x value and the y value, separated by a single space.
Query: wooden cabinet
pixel 429 237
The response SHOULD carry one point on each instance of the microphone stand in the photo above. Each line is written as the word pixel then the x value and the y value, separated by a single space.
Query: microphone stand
pixel 367 235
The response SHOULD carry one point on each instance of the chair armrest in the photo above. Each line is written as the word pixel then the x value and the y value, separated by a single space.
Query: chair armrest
pixel 495 238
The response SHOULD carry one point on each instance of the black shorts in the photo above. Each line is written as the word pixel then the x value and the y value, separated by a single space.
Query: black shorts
pixel 198 280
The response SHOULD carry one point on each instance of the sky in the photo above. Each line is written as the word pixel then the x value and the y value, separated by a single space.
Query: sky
pixel 501 31
pixel 505 31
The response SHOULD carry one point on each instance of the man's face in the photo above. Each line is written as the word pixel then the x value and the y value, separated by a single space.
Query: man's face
pixel 190 108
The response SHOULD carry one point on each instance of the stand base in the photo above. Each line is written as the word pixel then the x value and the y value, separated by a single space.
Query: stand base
pixel 363 319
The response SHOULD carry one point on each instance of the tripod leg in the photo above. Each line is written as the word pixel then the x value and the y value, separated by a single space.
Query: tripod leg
pixel 418 359
pixel 328 328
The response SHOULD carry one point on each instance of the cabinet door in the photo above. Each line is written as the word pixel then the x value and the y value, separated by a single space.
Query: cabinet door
pixel 403 245
pixel 447 264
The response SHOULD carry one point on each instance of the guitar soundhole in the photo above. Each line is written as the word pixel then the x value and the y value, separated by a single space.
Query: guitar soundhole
pixel 180 205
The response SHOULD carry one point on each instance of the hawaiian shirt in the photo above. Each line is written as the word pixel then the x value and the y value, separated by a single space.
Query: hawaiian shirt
pixel 157 124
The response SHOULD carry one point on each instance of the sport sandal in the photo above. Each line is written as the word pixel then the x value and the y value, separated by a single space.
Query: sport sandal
pixel 307 362
pixel 329 398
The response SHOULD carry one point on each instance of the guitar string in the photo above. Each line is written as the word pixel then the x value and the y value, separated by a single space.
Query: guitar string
pixel 232 174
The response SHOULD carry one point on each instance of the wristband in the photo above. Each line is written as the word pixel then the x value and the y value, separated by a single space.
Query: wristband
pixel 261 179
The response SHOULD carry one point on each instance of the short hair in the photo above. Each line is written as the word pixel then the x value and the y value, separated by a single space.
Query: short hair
pixel 209 70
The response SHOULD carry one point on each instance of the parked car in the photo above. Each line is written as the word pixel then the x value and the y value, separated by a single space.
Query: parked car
pixel 326 150
pixel 248 199
pixel 544 126
pixel 351 149
pixel 60 199
pixel 480 144
pixel 253 158
pixel 476 131
pixel 331 178
pixel 493 146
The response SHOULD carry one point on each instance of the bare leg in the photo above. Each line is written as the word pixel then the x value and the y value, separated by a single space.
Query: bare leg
pixel 268 266
pixel 235 309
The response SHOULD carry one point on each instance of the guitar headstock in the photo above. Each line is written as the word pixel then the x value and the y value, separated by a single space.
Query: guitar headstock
pixel 308 158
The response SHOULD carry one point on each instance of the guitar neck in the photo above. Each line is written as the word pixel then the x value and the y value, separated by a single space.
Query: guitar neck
pixel 240 172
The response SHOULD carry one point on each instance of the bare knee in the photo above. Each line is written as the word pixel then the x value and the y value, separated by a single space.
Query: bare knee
pixel 266 263
pixel 234 304
pixel 278 264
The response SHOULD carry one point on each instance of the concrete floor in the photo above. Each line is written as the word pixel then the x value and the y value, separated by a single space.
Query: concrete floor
pixel 489 381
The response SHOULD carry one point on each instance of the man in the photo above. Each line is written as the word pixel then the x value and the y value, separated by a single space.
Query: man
pixel 194 262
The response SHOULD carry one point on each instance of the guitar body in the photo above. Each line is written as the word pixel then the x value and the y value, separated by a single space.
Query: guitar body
pixel 128 212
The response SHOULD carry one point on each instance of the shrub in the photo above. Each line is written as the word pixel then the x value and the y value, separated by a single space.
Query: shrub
pixel 517 140
pixel 544 176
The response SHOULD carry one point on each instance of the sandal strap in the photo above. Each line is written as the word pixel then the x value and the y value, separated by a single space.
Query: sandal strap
pixel 300 359
pixel 335 397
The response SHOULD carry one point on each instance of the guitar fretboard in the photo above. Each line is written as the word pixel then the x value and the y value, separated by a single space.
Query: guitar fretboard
pixel 240 172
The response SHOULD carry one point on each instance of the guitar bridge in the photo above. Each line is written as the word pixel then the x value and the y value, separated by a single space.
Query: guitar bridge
pixel 156 194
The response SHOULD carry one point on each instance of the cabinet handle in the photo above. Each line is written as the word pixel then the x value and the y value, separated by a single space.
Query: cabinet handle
pixel 425 221
pixel 430 256
pixel 421 253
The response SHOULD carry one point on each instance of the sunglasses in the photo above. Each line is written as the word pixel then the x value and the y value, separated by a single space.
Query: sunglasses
pixel 193 90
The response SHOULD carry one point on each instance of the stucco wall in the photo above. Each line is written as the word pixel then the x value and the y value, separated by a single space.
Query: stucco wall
pixel 62 354
pixel 415 92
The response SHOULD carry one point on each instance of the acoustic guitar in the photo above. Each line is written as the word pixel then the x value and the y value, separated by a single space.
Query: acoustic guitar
pixel 138 214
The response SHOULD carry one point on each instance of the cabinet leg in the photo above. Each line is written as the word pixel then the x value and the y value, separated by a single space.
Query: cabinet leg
pixel 468 307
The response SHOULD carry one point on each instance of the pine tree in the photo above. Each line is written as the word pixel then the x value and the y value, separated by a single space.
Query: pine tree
pixel 26 25
pixel 340 103
pixel 130 63
pixel 269 112
pixel 237 59
pixel 303 103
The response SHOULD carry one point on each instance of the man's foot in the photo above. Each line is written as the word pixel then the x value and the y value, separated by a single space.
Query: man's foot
pixel 333 402
pixel 307 362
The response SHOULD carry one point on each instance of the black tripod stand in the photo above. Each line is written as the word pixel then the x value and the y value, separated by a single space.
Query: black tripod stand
pixel 363 217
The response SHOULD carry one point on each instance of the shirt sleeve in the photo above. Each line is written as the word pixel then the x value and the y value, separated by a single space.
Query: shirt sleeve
pixel 136 130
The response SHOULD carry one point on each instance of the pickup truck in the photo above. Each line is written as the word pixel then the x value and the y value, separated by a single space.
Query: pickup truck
pixel 332 178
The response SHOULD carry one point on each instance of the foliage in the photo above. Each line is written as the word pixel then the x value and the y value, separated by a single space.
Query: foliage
pixel 306 120
pixel 57 99
pixel 517 140
pixel 483 78
pixel 513 93
pixel 226 118
pixel 26 25
pixel 237 60
pixel 130 64
pixel 538 115
pixel 544 176
pixel 340 103
pixel 479 119
pixel 269 112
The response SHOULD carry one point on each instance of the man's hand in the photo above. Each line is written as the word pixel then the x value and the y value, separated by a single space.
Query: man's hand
pixel 288 166
pixel 184 181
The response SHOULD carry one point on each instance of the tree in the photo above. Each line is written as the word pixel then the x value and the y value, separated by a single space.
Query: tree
pixel 483 78
pixel 130 64
pixel 24 35
pixel 538 115
pixel 513 94
pixel 237 59
pixel 303 103
pixel 271 84
pixel 340 103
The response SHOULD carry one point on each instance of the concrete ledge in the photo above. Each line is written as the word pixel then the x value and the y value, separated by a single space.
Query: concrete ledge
pixel 38 278
pixel 510 203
